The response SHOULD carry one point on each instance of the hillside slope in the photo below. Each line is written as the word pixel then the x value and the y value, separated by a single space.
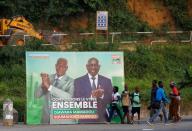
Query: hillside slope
pixel 152 12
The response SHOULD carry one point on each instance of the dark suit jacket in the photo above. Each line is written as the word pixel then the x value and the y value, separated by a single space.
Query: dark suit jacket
pixel 82 89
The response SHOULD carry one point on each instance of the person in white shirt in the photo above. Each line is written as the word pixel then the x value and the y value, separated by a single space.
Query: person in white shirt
pixel 116 98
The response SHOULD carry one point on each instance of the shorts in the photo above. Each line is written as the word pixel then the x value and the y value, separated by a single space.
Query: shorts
pixel 125 109
pixel 135 110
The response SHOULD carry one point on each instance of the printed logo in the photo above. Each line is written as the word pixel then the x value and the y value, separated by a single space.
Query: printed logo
pixel 116 59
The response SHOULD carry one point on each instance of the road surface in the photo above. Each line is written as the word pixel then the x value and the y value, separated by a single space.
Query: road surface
pixel 184 125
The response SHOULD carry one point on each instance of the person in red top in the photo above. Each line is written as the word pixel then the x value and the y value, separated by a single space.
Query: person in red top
pixel 175 103
pixel 174 89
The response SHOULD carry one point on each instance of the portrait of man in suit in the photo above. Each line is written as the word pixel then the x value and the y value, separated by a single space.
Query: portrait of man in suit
pixel 94 85
pixel 58 85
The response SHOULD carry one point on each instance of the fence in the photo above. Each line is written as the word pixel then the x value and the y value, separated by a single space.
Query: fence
pixel 113 37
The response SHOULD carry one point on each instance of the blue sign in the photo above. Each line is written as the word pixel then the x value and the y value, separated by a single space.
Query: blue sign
pixel 102 20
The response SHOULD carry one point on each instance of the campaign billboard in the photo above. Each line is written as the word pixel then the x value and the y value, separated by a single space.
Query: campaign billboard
pixel 71 87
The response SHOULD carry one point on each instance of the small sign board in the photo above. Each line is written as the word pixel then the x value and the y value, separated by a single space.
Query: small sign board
pixel 102 20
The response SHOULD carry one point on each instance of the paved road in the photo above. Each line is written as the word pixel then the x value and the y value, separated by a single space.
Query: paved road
pixel 184 125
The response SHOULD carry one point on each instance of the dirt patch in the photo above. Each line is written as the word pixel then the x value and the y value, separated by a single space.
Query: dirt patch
pixel 152 12
pixel 190 7
pixel 79 23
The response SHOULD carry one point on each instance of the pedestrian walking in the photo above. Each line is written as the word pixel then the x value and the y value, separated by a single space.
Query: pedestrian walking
pixel 175 103
pixel 136 103
pixel 152 107
pixel 160 102
pixel 116 98
pixel 125 103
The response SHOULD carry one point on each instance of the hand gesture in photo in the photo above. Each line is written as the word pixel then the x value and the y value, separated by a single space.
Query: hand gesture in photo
pixel 98 93
pixel 45 81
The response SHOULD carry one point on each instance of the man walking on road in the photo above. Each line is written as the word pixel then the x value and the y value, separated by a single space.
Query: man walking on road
pixel 161 100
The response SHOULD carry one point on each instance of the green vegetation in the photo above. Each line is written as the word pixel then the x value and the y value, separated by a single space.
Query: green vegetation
pixel 57 13
pixel 51 11
pixel 163 62
pixel 179 11
pixel 158 61
pixel 13 75
pixel 121 19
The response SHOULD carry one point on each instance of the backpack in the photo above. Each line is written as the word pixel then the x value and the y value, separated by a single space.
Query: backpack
pixel 132 97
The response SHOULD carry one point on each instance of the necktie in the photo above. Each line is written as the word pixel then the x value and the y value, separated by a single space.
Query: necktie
pixel 56 82
pixel 93 84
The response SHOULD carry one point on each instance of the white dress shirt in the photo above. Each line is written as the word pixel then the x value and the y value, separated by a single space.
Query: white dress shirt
pixel 91 80
pixel 96 82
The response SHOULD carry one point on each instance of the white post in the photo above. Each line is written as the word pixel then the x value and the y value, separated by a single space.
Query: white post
pixel 113 35
pixel 112 38
pixel 24 38
pixel 8 112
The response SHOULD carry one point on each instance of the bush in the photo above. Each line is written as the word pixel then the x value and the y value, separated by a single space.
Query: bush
pixel 179 11
pixel 157 61
pixel 91 45
pixel 13 75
